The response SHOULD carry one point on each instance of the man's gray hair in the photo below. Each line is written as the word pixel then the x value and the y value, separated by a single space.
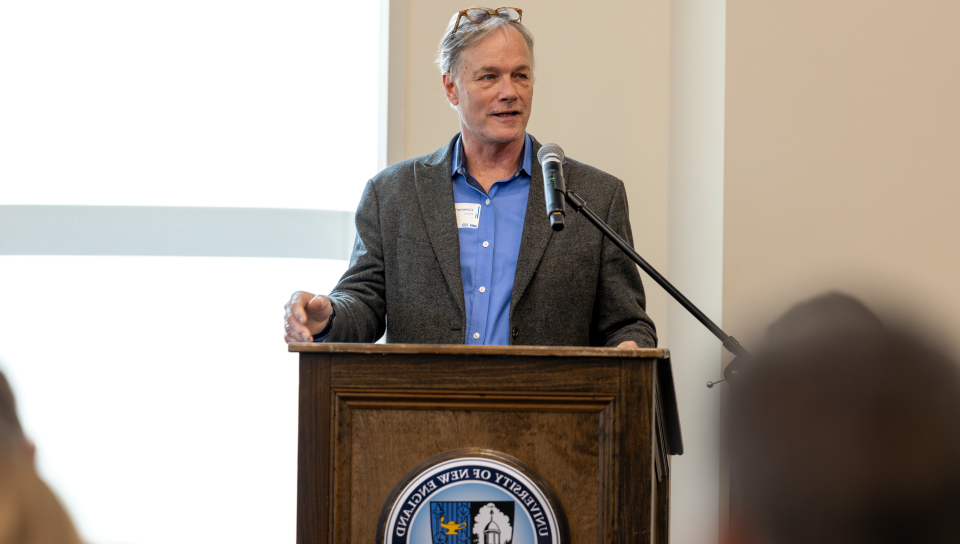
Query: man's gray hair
pixel 453 44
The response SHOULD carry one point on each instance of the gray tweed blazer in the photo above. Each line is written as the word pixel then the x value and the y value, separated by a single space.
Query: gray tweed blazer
pixel 572 288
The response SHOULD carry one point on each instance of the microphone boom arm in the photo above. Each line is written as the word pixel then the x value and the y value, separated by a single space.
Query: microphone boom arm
pixel 729 343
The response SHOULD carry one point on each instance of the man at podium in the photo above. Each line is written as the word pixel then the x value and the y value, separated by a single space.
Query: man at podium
pixel 455 247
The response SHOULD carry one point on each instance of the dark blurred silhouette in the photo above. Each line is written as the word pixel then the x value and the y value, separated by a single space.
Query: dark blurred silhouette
pixel 12 438
pixel 29 511
pixel 843 430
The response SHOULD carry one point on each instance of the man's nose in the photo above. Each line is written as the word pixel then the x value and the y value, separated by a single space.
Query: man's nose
pixel 508 90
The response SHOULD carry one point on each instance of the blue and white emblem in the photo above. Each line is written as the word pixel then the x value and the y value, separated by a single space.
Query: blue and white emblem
pixel 472 500
pixel 482 522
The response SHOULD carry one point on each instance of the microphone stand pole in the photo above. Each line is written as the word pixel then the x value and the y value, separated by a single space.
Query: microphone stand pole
pixel 729 342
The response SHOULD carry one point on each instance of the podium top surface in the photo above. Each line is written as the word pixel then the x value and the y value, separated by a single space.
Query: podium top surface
pixel 494 351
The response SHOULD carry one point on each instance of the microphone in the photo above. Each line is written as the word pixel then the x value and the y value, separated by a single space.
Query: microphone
pixel 551 161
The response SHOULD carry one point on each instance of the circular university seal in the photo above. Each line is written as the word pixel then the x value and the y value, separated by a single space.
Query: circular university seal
pixel 472 496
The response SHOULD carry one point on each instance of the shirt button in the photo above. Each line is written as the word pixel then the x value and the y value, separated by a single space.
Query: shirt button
pixel 476 335
pixel 482 289
pixel 485 244
pixel 488 201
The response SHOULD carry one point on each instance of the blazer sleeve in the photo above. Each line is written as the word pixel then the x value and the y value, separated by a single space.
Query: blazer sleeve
pixel 359 298
pixel 619 312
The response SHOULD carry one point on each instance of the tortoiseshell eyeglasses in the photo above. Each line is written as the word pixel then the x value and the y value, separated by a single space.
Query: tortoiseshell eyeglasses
pixel 477 15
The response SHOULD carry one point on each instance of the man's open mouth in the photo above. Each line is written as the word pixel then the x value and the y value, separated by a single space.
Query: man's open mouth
pixel 507 114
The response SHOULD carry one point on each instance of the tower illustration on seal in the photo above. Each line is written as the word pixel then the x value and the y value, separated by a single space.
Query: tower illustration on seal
pixel 491 533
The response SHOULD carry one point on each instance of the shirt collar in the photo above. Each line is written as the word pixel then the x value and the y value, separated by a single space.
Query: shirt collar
pixel 526 158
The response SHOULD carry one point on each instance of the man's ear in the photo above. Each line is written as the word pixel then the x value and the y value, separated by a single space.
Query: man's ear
pixel 450 88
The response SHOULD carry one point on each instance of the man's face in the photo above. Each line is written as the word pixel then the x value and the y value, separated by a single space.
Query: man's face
pixel 494 88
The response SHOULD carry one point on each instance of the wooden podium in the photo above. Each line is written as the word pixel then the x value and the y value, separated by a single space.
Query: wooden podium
pixel 599 425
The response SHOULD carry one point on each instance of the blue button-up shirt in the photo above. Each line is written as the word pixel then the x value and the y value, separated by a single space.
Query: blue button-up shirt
pixel 491 227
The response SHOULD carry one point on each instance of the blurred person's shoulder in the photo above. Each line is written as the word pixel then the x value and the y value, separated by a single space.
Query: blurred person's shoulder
pixel 30 513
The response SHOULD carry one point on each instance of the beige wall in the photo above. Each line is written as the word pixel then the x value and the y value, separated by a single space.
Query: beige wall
pixel 842 156
pixel 601 93
pixel 842 133
pixel 695 256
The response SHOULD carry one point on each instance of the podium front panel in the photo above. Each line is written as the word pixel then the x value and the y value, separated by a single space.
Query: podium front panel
pixel 590 422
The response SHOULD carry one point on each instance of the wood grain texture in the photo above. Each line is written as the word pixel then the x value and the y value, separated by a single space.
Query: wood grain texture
pixel 313 450
pixel 668 405
pixel 342 471
pixel 448 372
pixel 597 429
pixel 635 414
pixel 608 475
pixel 661 449
pixel 460 351
pixel 661 455
pixel 561 447
pixel 662 528
pixel 425 399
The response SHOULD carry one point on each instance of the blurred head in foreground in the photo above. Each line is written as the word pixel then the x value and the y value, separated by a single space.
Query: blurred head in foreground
pixel 29 511
pixel 12 439
pixel 842 430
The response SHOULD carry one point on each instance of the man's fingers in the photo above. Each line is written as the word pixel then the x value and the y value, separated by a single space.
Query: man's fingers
pixel 300 334
pixel 320 306
pixel 297 338
pixel 299 307
pixel 304 315
pixel 294 329
pixel 291 327
pixel 294 311
pixel 628 344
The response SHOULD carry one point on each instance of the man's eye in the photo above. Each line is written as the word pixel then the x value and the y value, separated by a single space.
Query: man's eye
pixel 522 76
pixel 487 77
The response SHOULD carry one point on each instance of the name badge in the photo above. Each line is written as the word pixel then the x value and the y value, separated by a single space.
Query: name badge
pixel 468 216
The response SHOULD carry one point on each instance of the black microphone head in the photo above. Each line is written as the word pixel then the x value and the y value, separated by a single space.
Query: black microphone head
pixel 550 149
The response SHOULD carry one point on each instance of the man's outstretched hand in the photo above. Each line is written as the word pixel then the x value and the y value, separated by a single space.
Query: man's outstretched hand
pixel 306 315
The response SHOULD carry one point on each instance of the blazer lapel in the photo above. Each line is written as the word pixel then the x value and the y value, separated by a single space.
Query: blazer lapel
pixel 435 193
pixel 536 231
